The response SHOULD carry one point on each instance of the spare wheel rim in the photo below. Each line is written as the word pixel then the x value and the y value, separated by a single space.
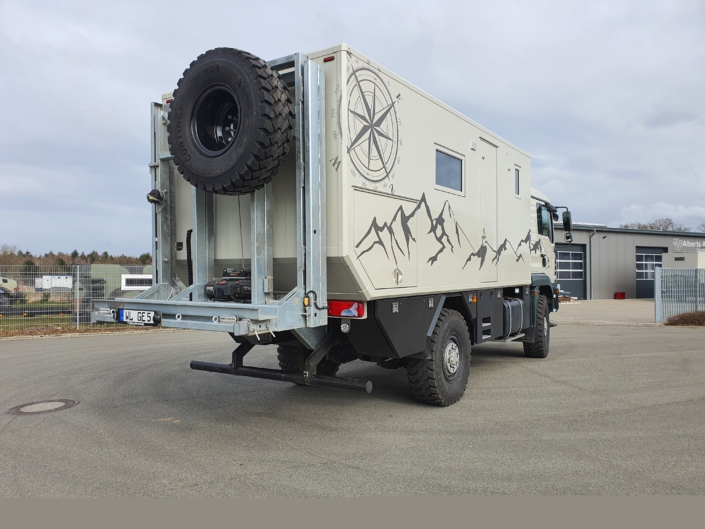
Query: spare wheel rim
pixel 215 120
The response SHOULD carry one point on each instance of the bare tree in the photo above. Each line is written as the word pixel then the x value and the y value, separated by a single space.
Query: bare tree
pixel 701 227
pixel 657 225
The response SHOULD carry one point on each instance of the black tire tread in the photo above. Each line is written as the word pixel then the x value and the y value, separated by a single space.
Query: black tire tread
pixel 539 347
pixel 276 110
pixel 288 357
pixel 424 376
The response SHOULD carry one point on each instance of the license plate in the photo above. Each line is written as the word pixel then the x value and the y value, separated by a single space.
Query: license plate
pixel 137 317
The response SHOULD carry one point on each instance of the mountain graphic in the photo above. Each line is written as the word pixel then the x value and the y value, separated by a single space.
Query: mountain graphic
pixel 439 227
pixel 376 233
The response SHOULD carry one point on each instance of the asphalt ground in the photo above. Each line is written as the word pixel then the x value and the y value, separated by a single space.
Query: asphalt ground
pixel 612 410
pixel 638 312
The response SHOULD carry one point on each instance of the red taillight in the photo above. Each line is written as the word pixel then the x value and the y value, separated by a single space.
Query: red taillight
pixel 169 101
pixel 222 282
pixel 346 309
pixel 328 59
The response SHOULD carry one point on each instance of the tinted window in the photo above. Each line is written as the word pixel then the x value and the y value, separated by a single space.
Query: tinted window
pixel 570 265
pixel 545 222
pixel 449 171
pixel 516 181
pixel 646 265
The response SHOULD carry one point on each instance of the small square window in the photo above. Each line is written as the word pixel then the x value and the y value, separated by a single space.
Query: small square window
pixel 576 256
pixel 516 181
pixel 449 171
pixel 639 258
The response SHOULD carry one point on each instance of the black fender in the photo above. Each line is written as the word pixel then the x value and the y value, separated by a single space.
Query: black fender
pixel 541 285
pixel 459 302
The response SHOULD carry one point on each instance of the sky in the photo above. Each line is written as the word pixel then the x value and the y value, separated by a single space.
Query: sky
pixel 608 97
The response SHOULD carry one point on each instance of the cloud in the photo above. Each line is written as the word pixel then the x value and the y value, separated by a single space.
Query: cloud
pixel 606 95
pixel 690 216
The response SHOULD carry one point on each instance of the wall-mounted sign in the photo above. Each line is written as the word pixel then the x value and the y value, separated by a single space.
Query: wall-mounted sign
pixel 683 245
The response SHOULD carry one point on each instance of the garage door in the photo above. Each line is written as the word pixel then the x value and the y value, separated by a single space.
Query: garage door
pixel 647 260
pixel 570 269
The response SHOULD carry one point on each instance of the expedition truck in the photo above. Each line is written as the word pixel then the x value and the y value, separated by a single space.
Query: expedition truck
pixel 324 204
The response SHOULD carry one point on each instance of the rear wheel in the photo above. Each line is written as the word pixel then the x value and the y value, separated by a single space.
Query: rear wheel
pixel 292 360
pixel 442 378
pixel 538 348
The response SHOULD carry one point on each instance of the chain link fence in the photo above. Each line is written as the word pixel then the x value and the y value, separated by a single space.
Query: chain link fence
pixel 678 291
pixel 36 298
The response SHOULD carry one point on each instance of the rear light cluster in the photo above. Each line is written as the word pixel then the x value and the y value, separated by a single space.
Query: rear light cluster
pixel 346 309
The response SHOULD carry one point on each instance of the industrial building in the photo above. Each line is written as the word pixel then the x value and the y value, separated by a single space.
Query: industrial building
pixel 602 261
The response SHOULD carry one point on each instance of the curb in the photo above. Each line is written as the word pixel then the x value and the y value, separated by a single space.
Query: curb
pixel 609 324
pixel 82 334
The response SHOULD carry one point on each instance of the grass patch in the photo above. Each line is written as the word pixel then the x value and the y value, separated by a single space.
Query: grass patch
pixel 689 318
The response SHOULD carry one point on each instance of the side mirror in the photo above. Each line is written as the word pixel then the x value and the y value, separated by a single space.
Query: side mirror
pixel 568 226
pixel 567 222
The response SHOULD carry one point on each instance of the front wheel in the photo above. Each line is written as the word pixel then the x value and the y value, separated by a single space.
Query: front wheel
pixel 538 348
pixel 5 301
pixel 442 378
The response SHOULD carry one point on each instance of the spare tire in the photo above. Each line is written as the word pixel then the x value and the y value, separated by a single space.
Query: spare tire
pixel 230 122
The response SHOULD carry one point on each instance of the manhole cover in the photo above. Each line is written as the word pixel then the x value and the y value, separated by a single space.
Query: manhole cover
pixel 47 406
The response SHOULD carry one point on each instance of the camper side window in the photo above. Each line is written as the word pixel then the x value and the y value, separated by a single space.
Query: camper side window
pixel 545 222
pixel 449 171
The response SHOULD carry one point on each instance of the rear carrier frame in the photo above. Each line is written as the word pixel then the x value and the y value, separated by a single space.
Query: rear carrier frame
pixel 263 316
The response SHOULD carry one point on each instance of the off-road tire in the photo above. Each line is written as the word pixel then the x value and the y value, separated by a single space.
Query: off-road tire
pixel 5 301
pixel 429 380
pixel 538 348
pixel 292 361
pixel 226 83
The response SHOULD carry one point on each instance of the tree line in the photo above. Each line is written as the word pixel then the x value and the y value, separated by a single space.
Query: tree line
pixel 11 255
pixel 665 224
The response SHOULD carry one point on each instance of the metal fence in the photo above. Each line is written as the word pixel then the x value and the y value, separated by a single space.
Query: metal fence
pixel 36 298
pixel 678 291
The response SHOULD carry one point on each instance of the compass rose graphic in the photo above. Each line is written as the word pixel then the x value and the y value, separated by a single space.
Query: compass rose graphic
pixel 372 125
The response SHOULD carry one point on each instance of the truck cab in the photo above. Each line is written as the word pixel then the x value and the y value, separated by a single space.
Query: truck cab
pixel 543 250
pixel 542 236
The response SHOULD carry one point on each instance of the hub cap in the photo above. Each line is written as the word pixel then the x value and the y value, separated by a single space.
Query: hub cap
pixel 451 359
pixel 215 120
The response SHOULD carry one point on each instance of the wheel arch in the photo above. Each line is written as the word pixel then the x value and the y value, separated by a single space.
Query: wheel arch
pixel 541 285
pixel 454 302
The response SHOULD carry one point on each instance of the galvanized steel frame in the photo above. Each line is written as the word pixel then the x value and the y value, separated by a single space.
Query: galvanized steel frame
pixel 190 309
